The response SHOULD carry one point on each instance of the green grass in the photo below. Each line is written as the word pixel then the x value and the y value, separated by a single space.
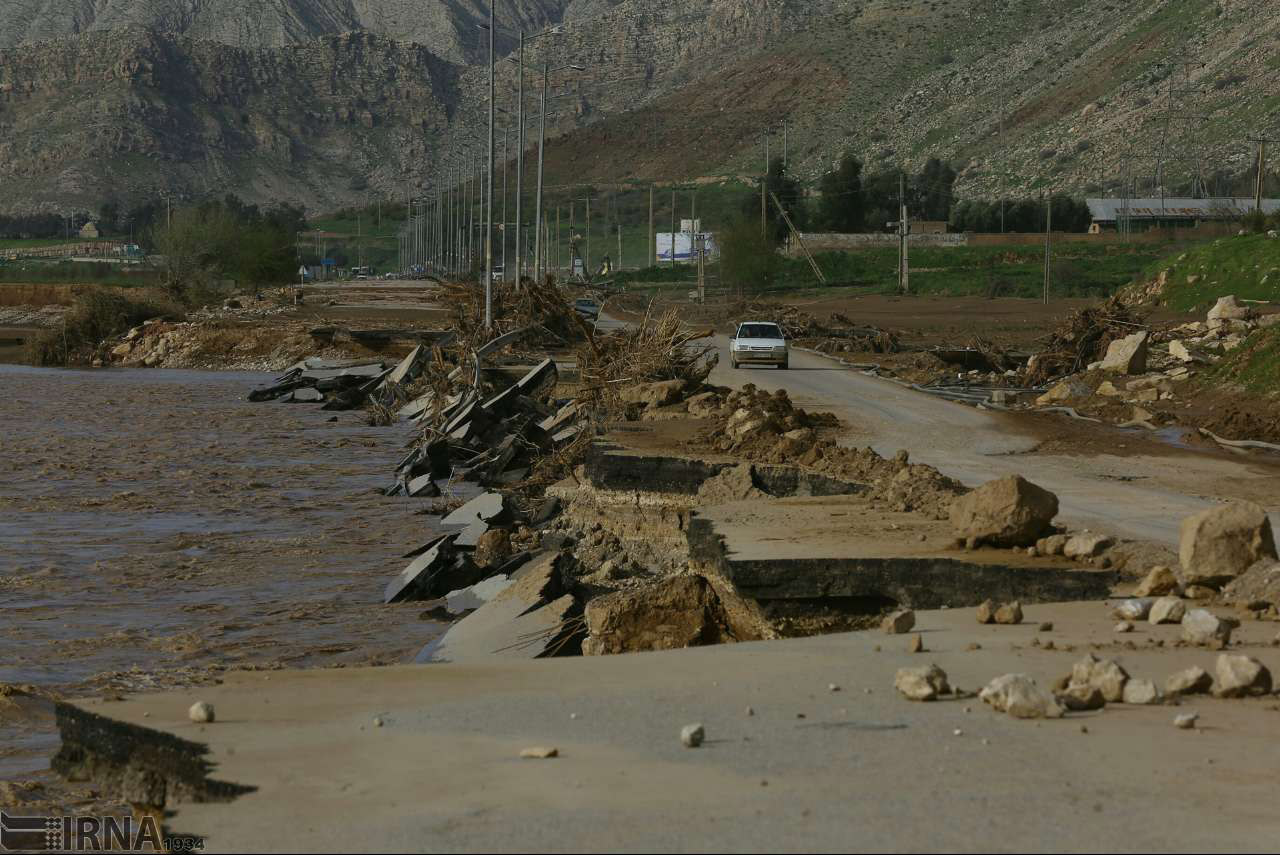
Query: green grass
pixel 36 243
pixel 997 271
pixel 98 273
pixel 1230 265
pixel 1255 364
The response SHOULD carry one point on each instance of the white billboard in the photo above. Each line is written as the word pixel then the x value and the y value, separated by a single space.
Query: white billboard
pixel 683 246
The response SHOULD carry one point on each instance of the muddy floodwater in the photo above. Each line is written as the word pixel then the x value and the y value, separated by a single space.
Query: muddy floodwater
pixel 156 528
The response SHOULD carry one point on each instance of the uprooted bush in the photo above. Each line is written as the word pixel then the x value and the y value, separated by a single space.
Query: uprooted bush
pixel 96 316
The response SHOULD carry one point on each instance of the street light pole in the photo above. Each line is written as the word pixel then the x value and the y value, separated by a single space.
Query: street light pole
pixel 488 231
pixel 542 145
pixel 520 162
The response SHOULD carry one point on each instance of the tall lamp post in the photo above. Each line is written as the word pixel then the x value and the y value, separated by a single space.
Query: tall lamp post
pixel 542 145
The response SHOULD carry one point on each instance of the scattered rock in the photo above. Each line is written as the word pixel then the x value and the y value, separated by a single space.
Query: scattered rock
pixel 1127 355
pixel 925 683
pixel 1079 698
pixel 1019 696
pixel 1159 581
pixel 916 644
pixel 539 752
pixel 1086 545
pixel 1133 609
pixel 986 612
pixel 1054 544
pixel 692 735
pixel 1186 721
pixel 1218 544
pixel 1167 610
pixel 1227 309
pixel 201 712
pixel 1105 674
pixel 1009 613
pixel 1124 626
pixel 1201 626
pixel 1240 675
pixel 1189 681
pixel 1141 693
pixel 1009 511
pixel 1046 626
pixel 899 622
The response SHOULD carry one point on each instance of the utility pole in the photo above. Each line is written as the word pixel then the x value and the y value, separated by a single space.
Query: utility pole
pixel 586 262
pixel 1262 170
pixel 673 229
pixel 506 159
pixel 619 266
pixel 538 244
pixel 653 249
pixel 520 162
pixel 1048 248
pixel 488 229
pixel 904 228
pixel 785 146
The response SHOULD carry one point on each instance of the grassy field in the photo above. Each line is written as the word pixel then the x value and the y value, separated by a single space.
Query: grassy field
pixel 999 271
pixel 1255 364
pixel 76 272
pixel 36 243
pixel 1247 266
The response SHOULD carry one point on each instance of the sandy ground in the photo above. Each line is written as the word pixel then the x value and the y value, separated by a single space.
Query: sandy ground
pixel 810 770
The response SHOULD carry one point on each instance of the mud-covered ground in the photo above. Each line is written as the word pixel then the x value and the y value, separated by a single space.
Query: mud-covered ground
pixel 156 528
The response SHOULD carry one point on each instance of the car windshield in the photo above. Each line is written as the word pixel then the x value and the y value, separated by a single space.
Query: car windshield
pixel 759 331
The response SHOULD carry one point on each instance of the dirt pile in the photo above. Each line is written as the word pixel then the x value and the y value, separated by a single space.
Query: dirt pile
pixel 767 427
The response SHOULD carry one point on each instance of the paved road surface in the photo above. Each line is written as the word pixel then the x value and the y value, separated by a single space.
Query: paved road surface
pixel 975 445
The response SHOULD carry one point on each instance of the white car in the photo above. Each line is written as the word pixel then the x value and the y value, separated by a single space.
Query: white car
pixel 759 343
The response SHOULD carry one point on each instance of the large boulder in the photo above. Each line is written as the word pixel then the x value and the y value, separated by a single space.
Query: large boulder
pixel 1218 544
pixel 682 611
pixel 925 683
pixel 1009 511
pixel 1239 676
pixel 1019 696
pixel 1127 355
pixel 1227 309
pixel 1256 588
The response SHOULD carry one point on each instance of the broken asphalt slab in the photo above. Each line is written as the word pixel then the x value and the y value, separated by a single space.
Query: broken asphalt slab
pixel 525 620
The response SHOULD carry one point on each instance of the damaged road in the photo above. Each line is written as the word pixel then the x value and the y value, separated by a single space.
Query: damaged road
pixel 975 445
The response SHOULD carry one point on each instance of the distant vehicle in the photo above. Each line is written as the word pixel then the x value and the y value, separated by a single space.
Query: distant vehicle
pixel 499 273
pixel 361 272
pixel 759 343
pixel 587 308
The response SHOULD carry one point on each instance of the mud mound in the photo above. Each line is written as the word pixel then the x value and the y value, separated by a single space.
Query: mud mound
pixel 769 428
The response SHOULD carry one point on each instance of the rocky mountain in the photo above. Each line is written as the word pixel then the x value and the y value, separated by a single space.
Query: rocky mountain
pixel 447 27
pixel 1022 95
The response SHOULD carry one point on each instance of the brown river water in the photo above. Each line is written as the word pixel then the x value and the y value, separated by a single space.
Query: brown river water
pixel 156 529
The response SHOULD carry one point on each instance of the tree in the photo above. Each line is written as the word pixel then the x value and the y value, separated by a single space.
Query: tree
pixel 842 207
pixel 929 193
pixel 748 262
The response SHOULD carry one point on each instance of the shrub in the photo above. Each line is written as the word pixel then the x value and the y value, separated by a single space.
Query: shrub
pixel 96 315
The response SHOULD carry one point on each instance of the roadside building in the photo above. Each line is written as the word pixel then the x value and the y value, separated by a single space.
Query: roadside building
pixel 89 231
pixel 1143 214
